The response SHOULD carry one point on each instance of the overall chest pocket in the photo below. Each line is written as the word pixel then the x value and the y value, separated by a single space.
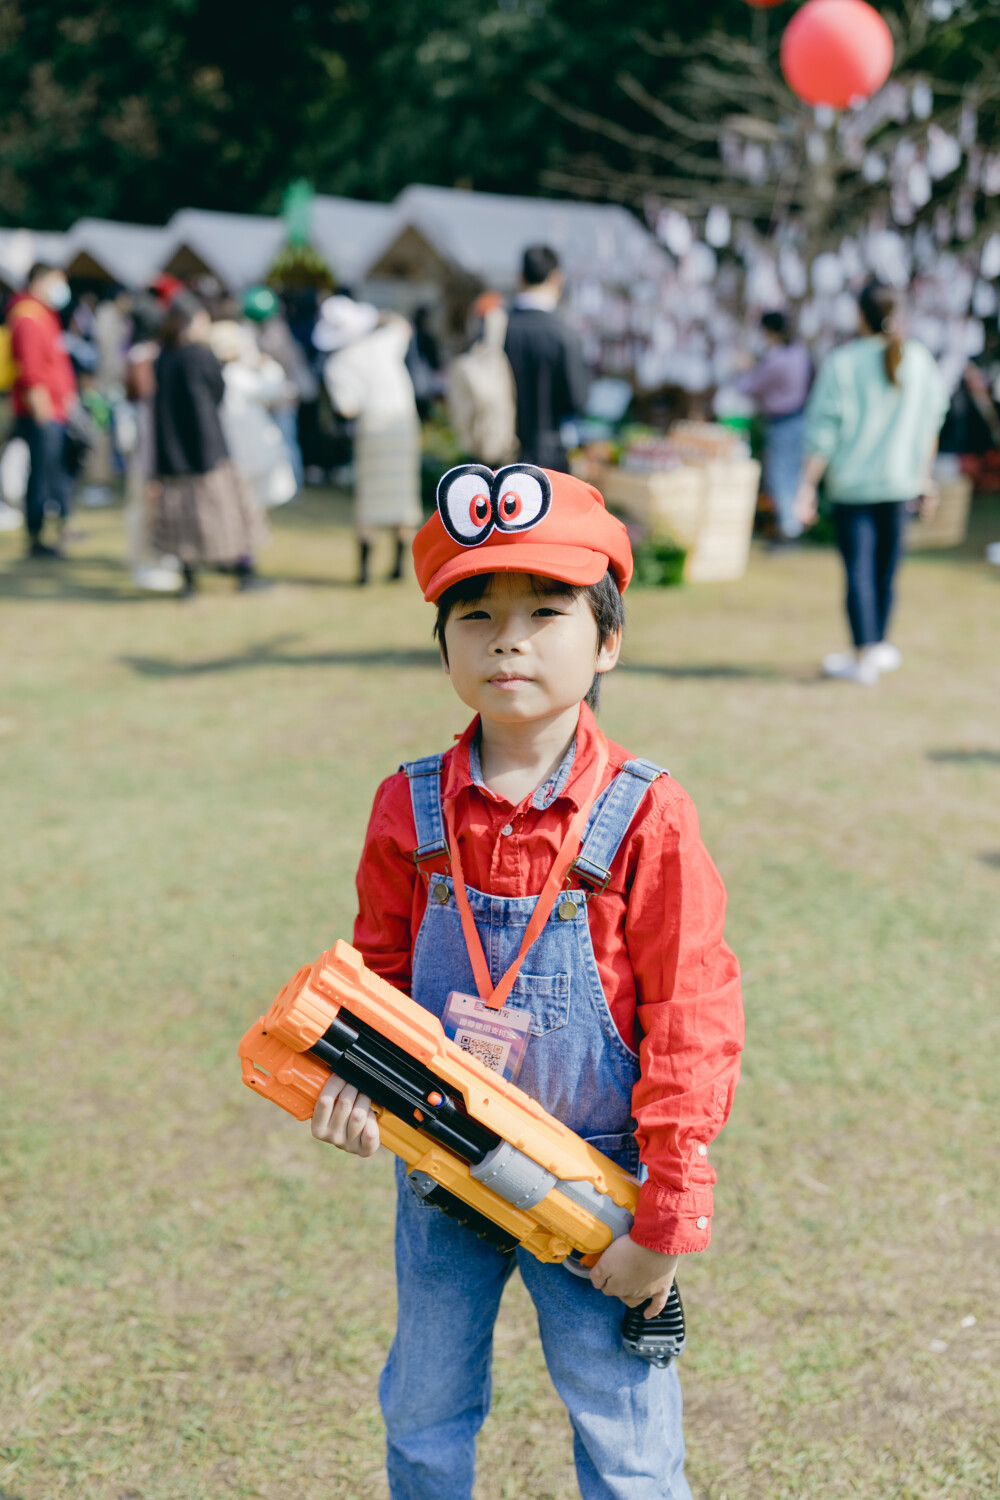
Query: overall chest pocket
pixel 546 996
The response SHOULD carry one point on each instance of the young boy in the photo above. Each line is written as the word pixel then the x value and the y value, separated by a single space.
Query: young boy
pixel 631 992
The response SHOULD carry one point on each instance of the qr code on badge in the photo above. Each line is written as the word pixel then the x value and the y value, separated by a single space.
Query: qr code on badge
pixel 493 1054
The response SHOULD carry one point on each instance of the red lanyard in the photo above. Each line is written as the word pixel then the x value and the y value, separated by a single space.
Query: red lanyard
pixel 569 849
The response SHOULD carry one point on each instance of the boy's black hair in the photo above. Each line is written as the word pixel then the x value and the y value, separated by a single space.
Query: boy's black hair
pixel 39 269
pixel 604 599
pixel 537 264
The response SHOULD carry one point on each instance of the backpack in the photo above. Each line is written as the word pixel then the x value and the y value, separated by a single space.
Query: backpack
pixel 8 364
pixel 481 397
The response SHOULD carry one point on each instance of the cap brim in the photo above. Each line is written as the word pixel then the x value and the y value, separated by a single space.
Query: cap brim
pixel 576 565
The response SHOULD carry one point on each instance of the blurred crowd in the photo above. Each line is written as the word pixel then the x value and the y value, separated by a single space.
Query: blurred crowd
pixel 212 411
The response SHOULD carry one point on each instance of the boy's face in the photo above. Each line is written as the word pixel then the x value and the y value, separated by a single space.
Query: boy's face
pixel 516 655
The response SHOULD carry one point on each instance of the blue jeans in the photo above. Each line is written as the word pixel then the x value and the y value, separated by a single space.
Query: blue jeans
pixel 783 440
pixel 48 481
pixel 870 538
pixel 435 1389
pixel 287 418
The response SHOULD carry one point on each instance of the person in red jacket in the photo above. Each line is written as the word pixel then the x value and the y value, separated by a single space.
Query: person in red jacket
pixel 43 392
pixel 538 867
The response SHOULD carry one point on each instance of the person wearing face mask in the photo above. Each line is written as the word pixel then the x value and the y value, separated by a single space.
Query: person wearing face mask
pixel 44 390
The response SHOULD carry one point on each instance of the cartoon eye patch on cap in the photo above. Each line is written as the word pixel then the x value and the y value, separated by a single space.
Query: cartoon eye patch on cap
pixel 472 500
pixel 521 519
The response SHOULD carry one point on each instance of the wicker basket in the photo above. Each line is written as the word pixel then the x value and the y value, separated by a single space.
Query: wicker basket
pixel 707 509
pixel 948 526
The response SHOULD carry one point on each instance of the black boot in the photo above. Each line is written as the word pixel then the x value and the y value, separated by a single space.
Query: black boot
pixel 248 580
pixel 364 552
pixel 190 585
pixel 397 571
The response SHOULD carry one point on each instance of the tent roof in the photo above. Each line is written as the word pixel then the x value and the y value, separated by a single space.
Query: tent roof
pixel 20 248
pixel 486 233
pixel 130 253
pixel 237 248
pixel 350 234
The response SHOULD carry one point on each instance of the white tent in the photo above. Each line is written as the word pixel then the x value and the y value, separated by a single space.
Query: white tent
pixel 21 248
pixel 349 234
pixel 130 254
pixel 485 234
pixel 237 249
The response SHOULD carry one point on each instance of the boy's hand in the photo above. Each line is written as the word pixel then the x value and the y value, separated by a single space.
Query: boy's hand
pixel 345 1118
pixel 633 1273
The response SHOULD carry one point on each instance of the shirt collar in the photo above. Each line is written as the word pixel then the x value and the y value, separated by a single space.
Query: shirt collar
pixel 534 297
pixel 576 766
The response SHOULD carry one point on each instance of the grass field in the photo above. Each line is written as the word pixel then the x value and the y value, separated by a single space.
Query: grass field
pixel 195 1297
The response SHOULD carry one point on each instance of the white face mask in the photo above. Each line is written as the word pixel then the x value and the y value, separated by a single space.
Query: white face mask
pixel 58 294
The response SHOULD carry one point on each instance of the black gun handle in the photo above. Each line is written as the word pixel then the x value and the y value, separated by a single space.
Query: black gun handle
pixel 659 1339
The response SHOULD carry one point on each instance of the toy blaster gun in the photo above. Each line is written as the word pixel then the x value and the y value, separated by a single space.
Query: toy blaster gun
pixel 475 1145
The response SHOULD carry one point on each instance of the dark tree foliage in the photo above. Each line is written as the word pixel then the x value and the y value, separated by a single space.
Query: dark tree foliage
pixel 130 110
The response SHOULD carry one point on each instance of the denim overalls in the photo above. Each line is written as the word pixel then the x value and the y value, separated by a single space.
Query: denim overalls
pixel 435 1388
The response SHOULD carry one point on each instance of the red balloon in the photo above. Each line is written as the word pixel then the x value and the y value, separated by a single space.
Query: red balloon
pixel 836 51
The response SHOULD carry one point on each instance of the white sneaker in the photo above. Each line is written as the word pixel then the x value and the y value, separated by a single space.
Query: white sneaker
pixel 845 665
pixel 993 553
pixel 886 656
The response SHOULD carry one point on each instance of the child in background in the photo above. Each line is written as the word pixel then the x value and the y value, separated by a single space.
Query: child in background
pixel 629 993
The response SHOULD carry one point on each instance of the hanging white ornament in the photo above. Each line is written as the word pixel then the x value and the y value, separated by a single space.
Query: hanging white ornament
pixel 922 100
pixel 755 163
pixel 965 219
pixel 827 274
pixel 991 175
pixel 944 154
pixel 902 207
pixel 810 320
pixel 845 313
pixel 792 271
pixel 968 125
pixel 816 150
pixel 975 337
pixel 718 226
pixel 989 260
pixel 699 264
pixel 944 227
pixel 674 231
pixel 889 257
pixel 918 185
pixel 851 259
pixel 984 299
pixel 874 167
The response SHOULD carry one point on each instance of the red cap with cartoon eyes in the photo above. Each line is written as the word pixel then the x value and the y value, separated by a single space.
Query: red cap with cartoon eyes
pixel 519 520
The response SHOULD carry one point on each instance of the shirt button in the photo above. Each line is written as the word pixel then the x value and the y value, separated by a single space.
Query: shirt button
pixel 702 1150
pixel 507 829
pixel 702 1222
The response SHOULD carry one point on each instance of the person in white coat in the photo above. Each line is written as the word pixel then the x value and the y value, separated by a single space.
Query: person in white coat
pixel 367 379
pixel 254 382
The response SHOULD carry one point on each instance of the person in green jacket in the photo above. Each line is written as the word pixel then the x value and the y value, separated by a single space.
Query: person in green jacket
pixel 872 424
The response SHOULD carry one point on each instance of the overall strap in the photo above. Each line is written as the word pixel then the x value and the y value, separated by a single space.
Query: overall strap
pixel 424 777
pixel 613 814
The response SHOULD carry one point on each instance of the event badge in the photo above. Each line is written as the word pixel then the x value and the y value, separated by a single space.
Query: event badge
pixel 499 1038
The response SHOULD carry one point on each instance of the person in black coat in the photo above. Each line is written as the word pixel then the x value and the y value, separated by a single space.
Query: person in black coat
pixel 547 361
pixel 205 513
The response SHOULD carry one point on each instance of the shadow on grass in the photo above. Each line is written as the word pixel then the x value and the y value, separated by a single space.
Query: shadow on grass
pixel 991 859
pixel 724 672
pixel 33 579
pixel 965 757
pixel 276 653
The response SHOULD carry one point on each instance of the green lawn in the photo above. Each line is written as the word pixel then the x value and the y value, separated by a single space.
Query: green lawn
pixel 196 1297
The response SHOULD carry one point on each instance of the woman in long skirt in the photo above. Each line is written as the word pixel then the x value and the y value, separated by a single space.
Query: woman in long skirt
pixel 205 513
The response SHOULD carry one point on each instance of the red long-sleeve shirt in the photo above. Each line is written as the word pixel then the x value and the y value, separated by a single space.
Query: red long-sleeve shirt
pixel 37 347
pixel 671 981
